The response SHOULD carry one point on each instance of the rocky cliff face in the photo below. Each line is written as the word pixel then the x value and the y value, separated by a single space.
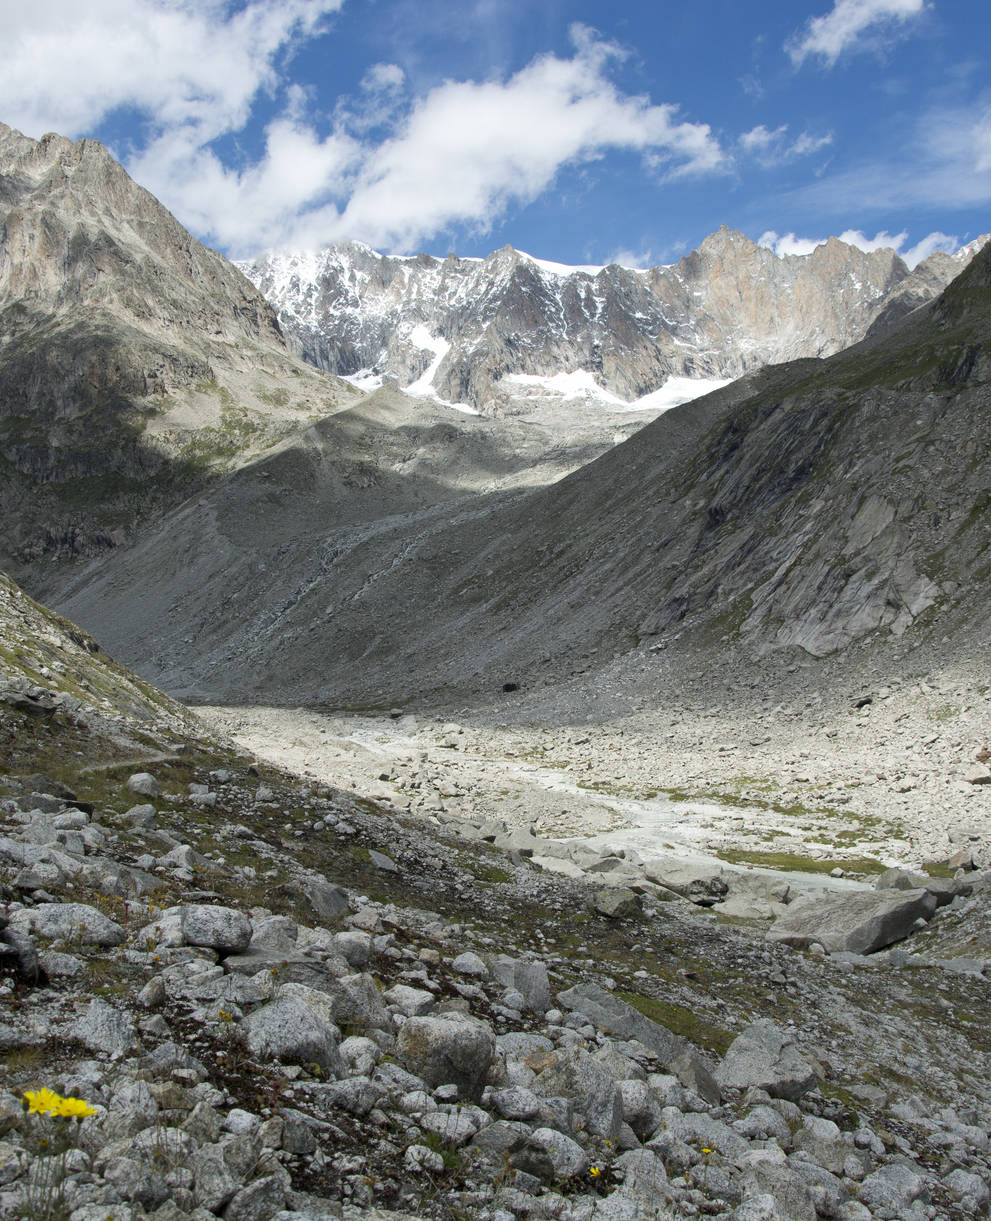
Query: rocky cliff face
pixel 131 356
pixel 466 329
pixel 807 506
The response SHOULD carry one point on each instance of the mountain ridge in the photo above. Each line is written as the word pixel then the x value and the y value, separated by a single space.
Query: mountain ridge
pixel 132 355
pixel 464 329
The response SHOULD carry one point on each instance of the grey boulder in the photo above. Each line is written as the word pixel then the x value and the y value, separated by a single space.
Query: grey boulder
pixel 77 922
pixel 290 1031
pixel 765 1057
pixel 858 922
pixel 449 1050
pixel 217 928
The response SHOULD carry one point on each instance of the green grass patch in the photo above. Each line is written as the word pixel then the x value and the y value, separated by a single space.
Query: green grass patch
pixel 680 1021
pixel 797 863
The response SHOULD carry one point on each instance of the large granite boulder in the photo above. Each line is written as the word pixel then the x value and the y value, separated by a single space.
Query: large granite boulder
pixel 764 1057
pixel 855 921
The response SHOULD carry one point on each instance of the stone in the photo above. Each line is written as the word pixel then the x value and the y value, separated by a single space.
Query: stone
pixel 969 1189
pixel 822 1140
pixel 420 1159
pixel 19 951
pixel 701 883
pixel 354 946
pixel 259 1201
pixel 103 1028
pixel 621 1020
pixel 72 922
pixel 763 1056
pixel 414 1002
pixel 617 903
pixel 214 1184
pixel 470 964
pixel 858 922
pixel 452 1049
pixel 566 1156
pixel 326 900
pixel 141 816
pixel 144 784
pixel 575 1074
pixel 290 1031
pixel 792 1197
pixel 890 1190
pixel 527 976
pixel 218 928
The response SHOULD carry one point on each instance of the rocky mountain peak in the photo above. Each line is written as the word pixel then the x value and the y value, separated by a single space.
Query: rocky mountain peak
pixel 130 350
pixel 466 330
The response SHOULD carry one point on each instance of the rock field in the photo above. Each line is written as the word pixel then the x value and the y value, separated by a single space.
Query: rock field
pixel 271 999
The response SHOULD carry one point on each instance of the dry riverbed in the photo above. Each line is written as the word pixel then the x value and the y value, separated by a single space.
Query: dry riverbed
pixel 895 781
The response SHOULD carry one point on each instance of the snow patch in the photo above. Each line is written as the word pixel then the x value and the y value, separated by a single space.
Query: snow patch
pixel 424 384
pixel 366 379
pixel 582 384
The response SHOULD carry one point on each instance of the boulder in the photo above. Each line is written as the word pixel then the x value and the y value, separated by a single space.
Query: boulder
pixel 892 1189
pixel 617 903
pixel 144 784
pixel 528 977
pixel 217 928
pixel 701 882
pixel 766 1058
pixel 858 921
pixel 72 922
pixel 575 1074
pixel 453 1049
pixel 622 1020
pixel 103 1028
pixel 290 1031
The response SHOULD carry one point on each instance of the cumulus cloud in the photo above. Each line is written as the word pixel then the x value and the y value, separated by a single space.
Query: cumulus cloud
pixel 788 243
pixel 849 26
pixel 388 168
pixel 467 149
pixel 776 147
pixel 188 63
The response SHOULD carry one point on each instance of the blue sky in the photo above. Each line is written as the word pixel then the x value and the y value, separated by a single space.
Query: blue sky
pixel 580 132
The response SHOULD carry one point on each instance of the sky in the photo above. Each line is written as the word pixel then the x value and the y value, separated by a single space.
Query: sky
pixel 580 132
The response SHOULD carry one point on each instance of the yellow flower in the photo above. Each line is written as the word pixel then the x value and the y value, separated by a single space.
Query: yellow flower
pixel 704 1150
pixel 75 1108
pixel 594 1171
pixel 42 1102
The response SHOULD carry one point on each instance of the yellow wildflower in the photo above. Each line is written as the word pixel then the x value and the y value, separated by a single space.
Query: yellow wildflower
pixel 75 1108
pixel 42 1102
pixel 594 1171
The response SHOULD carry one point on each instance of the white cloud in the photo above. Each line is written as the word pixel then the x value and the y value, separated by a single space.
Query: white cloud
pixel 759 138
pixel 845 27
pixel 788 243
pixel 467 149
pixel 180 62
pixel 385 168
pixel 774 147
pixel 929 245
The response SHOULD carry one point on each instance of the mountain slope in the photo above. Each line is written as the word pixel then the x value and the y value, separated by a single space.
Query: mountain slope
pixel 808 505
pixel 131 357
pixel 468 330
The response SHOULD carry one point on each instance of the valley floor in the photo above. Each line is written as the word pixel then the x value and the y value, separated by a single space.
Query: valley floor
pixel 895 780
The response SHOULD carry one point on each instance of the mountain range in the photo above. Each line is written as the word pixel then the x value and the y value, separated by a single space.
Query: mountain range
pixel 396 545
pixel 488 333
